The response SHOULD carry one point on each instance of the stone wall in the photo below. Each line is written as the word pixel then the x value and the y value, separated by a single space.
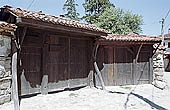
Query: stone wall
pixel 158 67
pixel 5 69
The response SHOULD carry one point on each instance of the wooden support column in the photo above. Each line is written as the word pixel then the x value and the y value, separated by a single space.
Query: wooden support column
pixel 15 82
pixel 44 83
pixel 134 71
pixel 150 70
pixel 97 69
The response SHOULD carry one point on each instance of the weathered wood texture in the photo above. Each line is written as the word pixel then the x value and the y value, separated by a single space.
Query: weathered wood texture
pixel 15 82
pixel 52 62
pixel 118 65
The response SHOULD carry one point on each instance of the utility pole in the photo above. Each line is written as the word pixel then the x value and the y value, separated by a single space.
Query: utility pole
pixel 162 31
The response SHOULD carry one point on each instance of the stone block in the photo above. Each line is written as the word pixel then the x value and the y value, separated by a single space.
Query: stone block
pixel 159 73
pixel 5 46
pixel 7 64
pixel 159 78
pixel 2 71
pixel 158 70
pixel 160 84
pixel 5 98
pixel 5 84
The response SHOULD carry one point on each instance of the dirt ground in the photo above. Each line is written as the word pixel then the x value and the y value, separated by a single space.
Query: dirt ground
pixel 136 97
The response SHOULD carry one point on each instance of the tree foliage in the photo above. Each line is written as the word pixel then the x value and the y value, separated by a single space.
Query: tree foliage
pixel 118 21
pixel 93 8
pixel 70 8
pixel 104 14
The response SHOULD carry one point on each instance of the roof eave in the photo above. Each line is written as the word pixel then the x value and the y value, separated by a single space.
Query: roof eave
pixel 46 25
pixel 110 42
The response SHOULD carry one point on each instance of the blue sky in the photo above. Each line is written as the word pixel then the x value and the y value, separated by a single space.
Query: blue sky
pixel 151 10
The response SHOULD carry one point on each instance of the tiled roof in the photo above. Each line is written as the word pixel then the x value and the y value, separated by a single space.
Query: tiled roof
pixel 130 38
pixel 6 27
pixel 166 36
pixel 20 12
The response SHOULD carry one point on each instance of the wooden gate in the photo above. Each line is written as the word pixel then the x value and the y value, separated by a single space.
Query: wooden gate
pixel 118 65
pixel 53 63
pixel 68 63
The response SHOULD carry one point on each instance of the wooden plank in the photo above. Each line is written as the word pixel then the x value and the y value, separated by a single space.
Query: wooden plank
pixel 44 83
pixel 90 79
pixel 99 75
pixel 133 71
pixel 150 70
pixel 23 36
pixel 15 82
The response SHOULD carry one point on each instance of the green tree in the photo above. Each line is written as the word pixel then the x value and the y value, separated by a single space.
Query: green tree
pixel 93 8
pixel 117 21
pixel 70 8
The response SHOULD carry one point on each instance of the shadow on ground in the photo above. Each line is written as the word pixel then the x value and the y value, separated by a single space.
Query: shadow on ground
pixel 152 104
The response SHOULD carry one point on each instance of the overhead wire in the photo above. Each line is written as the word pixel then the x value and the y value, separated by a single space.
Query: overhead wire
pixel 30 4
pixel 11 3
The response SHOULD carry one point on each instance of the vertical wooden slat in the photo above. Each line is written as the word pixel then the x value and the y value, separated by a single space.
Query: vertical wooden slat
pixel 150 70
pixel 69 61
pixel 133 71
pixel 44 83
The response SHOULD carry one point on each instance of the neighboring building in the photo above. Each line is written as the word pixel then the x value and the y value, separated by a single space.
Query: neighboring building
pixel 6 34
pixel 167 42
pixel 167 52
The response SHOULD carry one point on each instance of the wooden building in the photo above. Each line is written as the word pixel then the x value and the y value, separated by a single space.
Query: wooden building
pixel 54 53
pixel 126 59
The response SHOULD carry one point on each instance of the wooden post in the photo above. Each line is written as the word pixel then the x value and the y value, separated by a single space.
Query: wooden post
pixel 97 69
pixel 99 75
pixel 134 71
pixel 90 79
pixel 150 70
pixel 15 82
pixel 44 83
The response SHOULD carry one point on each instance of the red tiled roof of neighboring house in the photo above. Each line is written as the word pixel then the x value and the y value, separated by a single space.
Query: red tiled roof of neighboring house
pixel 23 13
pixel 131 37
pixel 6 27
pixel 166 36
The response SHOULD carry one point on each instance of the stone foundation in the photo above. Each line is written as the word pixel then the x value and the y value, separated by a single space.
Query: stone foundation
pixel 5 69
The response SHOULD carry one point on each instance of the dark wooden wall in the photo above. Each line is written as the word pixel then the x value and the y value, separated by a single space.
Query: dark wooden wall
pixel 53 61
pixel 118 66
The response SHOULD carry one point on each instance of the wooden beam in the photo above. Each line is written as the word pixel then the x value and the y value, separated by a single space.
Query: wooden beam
pixel 124 43
pixel 97 69
pixel 23 35
pixel 45 56
pixel 130 50
pixel 137 56
pixel 15 82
